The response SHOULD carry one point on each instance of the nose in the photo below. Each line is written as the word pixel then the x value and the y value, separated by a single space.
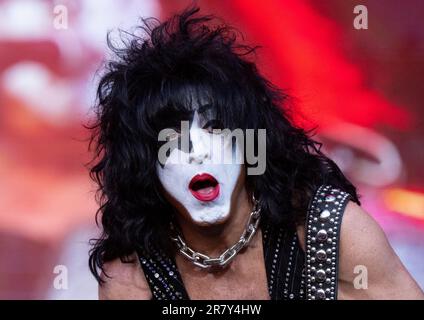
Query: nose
pixel 199 147
pixel 198 157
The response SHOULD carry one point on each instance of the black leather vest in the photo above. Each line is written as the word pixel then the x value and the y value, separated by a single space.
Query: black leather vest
pixel 291 272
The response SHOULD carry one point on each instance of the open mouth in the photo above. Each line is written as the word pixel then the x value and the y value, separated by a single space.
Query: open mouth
pixel 204 187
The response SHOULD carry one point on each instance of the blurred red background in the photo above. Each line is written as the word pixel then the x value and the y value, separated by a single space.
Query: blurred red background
pixel 362 88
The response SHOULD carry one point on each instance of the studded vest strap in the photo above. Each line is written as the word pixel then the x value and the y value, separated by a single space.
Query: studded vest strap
pixel 322 242
pixel 284 263
pixel 162 275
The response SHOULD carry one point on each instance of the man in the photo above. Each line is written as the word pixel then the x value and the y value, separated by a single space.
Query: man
pixel 185 211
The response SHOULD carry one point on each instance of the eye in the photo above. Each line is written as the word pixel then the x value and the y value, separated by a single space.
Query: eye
pixel 212 125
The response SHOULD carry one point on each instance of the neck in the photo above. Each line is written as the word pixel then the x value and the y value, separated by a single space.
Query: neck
pixel 213 240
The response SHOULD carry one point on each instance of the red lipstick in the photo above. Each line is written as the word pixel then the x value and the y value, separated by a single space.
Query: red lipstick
pixel 204 187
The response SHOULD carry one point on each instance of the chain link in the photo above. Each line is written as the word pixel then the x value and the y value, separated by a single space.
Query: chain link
pixel 205 262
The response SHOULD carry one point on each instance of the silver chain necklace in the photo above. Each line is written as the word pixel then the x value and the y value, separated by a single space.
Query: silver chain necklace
pixel 205 262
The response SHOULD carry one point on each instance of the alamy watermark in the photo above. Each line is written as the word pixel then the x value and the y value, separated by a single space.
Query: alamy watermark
pixel 244 140
pixel 60 281
pixel 361 280
pixel 361 19
pixel 60 17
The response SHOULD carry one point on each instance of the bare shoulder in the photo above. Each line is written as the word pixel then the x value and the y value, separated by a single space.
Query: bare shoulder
pixel 124 281
pixel 369 267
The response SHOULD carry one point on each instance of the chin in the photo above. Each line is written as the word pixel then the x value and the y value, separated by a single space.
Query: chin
pixel 209 219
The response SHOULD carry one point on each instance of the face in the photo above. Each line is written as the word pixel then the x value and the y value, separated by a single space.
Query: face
pixel 201 180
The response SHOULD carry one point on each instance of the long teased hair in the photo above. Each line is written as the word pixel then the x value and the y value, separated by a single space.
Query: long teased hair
pixel 146 86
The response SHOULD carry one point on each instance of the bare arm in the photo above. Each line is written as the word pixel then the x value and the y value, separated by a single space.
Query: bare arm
pixel 368 266
pixel 125 281
pixel 364 246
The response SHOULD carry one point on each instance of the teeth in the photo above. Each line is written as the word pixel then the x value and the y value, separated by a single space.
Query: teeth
pixel 206 190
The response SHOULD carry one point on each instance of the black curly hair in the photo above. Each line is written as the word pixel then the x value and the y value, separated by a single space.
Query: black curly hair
pixel 146 86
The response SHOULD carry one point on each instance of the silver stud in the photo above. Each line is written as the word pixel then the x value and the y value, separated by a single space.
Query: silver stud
pixel 320 275
pixel 321 255
pixel 325 214
pixel 320 294
pixel 322 235
pixel 330 198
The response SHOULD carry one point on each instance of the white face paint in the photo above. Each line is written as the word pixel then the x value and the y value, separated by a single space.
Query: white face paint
pixel 205 157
